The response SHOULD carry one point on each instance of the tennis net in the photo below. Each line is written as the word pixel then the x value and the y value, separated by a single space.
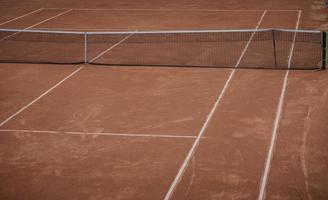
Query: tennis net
pixel 262 48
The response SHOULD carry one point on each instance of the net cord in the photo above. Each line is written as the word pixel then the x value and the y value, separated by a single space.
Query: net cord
pixel 203 31
pixel 156 32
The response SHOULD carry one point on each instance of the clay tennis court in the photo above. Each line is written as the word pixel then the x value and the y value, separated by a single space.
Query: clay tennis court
pixel 83 131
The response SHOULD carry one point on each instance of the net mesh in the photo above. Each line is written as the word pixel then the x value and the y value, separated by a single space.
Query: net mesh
pixel 40 47
pixel 175 49
pixel 267 49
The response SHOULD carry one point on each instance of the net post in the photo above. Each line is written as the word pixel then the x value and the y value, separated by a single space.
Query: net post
pixel 274 48
pixel 85 48
pixel 324 49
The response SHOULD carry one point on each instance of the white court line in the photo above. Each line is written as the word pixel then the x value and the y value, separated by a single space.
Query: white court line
pixel 277 120
pixel 110 48
pixel 34 25
pixel 14 19
pixel 38 98
pixel 99 133
pixel 172 10
pixel 208 119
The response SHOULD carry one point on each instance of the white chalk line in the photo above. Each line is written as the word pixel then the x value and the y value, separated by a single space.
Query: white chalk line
pixel 38 98
pixel 208 119
pixel 14 19
pixel 99 133
pixel 268 161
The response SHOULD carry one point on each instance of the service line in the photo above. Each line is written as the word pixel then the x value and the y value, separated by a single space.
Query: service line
pixel 100 133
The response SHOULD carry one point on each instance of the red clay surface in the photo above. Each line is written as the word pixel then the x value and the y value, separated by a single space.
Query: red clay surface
pixel 60 147
pixel 109 99
pixel 22 84
pixel 229 163
pixel 32 19
pixel 301 154
pixel 11 13
pixel 153 20
pixel 61 166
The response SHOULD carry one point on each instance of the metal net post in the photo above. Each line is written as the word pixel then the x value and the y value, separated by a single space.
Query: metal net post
pixel 85 47
pixel 324 49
